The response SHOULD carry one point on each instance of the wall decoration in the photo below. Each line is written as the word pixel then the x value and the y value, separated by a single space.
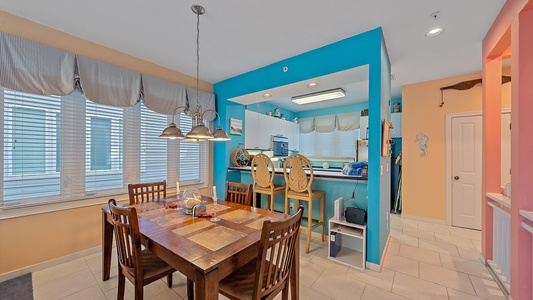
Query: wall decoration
pixel 235 126
pixel 422 140
pixel 466 85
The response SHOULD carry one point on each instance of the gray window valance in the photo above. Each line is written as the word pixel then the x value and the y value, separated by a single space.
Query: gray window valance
pixel 107 84
pixel 32 67
pixel 205 100
pixel 307 125
pixel 163 96
pixel 348 121
pixel 35 68
pixel 327 123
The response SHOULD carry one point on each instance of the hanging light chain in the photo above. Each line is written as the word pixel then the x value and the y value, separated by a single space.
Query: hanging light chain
pixel 198 13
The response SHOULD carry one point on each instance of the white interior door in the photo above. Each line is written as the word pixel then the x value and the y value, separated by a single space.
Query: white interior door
pixel 466 171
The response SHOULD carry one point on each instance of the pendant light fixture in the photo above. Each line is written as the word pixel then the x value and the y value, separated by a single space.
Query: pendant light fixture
pixel 199 132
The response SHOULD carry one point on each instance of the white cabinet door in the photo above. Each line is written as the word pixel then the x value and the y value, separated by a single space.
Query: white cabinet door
pixel 263 132
pixel 293 133
pixel 278 127
pixel 396 120
pixel 363 129
pixel 251 138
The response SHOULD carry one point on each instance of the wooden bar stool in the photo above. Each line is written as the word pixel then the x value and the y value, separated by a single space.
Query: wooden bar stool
pixel 298 187
pixel 263 173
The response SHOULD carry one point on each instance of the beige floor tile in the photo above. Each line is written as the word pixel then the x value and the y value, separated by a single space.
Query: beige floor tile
pixel 403 239
pixel 65 286
pixel 394 248
pixel 59 271
pixel 435 228
pixel 443 248
pixel 446 277
pixel 95 261
pixel 406 223
pixel 310 294
pixel 457 295
pixel 467 266
pixel 382 280
pixel 422 255
pixel 150 291
pixel 179 284
pixel 309 272
pixel 414 288
pixel 472 254
pixel 466 233
pixel 401 264
pixel 168 294
pixel 338 286
pixel 321 259
pixel 427 235
pixel 91 293
pixel 373 293
pixel 109 284
pixel 477 245
pixel 486 288
pixel 454 240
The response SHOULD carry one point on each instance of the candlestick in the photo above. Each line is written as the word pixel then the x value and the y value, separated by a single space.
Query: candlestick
pixel 177 187
pixel 214 190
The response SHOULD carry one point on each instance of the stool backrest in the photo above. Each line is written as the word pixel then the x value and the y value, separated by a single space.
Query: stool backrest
pixel 294 172
pixel 263 171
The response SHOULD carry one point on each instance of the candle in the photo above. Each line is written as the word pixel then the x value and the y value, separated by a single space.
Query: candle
pixel 177 187
pixel 214 191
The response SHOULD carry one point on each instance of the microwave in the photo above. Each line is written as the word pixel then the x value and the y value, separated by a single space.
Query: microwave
pixel 280 145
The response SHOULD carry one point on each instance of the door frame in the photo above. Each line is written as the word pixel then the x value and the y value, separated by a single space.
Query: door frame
pixel 449 156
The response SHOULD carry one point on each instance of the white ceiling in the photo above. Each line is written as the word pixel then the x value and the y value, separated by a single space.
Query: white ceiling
pixel 240 36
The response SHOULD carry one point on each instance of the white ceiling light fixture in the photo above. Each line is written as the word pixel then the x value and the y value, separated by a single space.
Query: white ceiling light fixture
pixel 312 84
pixel 319 96
pixel 267 95
pixel 434 32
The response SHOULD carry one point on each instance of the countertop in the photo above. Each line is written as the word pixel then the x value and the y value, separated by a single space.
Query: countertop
pixel 330 174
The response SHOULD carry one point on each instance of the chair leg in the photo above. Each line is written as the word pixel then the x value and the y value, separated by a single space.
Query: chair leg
pixel 287 204
pixel 322 217
pixel 254 199
pixel 190 289
pixel 285 292
pixel 309 226
pixel 121 285
pixel 169 280
pixel 139 289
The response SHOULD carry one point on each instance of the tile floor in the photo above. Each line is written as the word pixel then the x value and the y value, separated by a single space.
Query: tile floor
pixel 424 261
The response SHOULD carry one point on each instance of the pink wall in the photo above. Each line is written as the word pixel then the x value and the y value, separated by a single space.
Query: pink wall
pixel 512 28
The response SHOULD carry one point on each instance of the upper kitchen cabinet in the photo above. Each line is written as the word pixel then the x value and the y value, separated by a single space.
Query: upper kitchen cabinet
pixel 396 120
pixel 260 128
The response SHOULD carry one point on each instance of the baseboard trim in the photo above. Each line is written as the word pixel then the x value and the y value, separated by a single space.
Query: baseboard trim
pixel 428 220
pixel 49 263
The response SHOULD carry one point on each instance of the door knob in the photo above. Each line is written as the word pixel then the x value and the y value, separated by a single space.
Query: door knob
pixel 456 177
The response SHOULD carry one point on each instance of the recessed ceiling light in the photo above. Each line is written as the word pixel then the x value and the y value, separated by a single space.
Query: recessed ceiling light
pixel 267 95
pixel 434 32
pixel 312 84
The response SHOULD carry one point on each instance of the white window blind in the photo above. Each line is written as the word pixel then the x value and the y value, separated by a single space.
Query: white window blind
pixel 69 148
pixel 329 144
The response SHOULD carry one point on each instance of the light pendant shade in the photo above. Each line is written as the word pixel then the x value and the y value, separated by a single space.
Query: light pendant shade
pixel 200 132
pixel 320 96
pixel 220 135
pixel 172 132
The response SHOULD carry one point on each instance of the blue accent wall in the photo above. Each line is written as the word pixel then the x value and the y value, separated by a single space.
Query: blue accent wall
pixel 367 48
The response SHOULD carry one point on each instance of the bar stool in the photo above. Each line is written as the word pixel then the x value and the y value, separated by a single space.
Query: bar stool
pixel 298 187
pixel 263 173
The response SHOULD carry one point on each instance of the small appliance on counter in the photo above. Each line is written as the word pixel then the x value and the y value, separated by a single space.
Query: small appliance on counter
pixel 280 145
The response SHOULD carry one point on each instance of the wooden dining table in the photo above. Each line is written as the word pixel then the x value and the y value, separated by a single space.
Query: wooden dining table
pixel 204 251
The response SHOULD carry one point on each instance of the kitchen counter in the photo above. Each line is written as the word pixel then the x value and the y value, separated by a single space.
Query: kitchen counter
pixel 318 174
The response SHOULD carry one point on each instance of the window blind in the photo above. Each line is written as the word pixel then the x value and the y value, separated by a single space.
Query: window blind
pixel 329 144
pixel 69 148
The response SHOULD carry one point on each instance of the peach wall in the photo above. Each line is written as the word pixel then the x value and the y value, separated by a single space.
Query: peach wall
pixel 424 178
pixel 25 241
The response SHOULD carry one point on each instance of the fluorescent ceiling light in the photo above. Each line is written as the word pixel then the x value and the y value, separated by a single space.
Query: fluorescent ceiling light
pixel 320 96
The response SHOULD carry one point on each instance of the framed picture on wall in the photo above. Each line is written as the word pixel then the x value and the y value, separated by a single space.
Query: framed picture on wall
pixel 235 126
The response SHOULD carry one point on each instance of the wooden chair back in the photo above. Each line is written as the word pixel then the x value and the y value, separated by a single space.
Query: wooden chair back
pixel 146 192
pixel 240 193
pixel 276 255
pixel 263 171
pixel 127 237
pixel 294 173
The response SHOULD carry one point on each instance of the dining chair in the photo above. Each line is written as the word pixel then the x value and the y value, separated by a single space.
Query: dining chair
pixel 298 187
pixel 141 267
pixel 263 174
pixel 146 192
pixel 240 193
pixel 268 274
